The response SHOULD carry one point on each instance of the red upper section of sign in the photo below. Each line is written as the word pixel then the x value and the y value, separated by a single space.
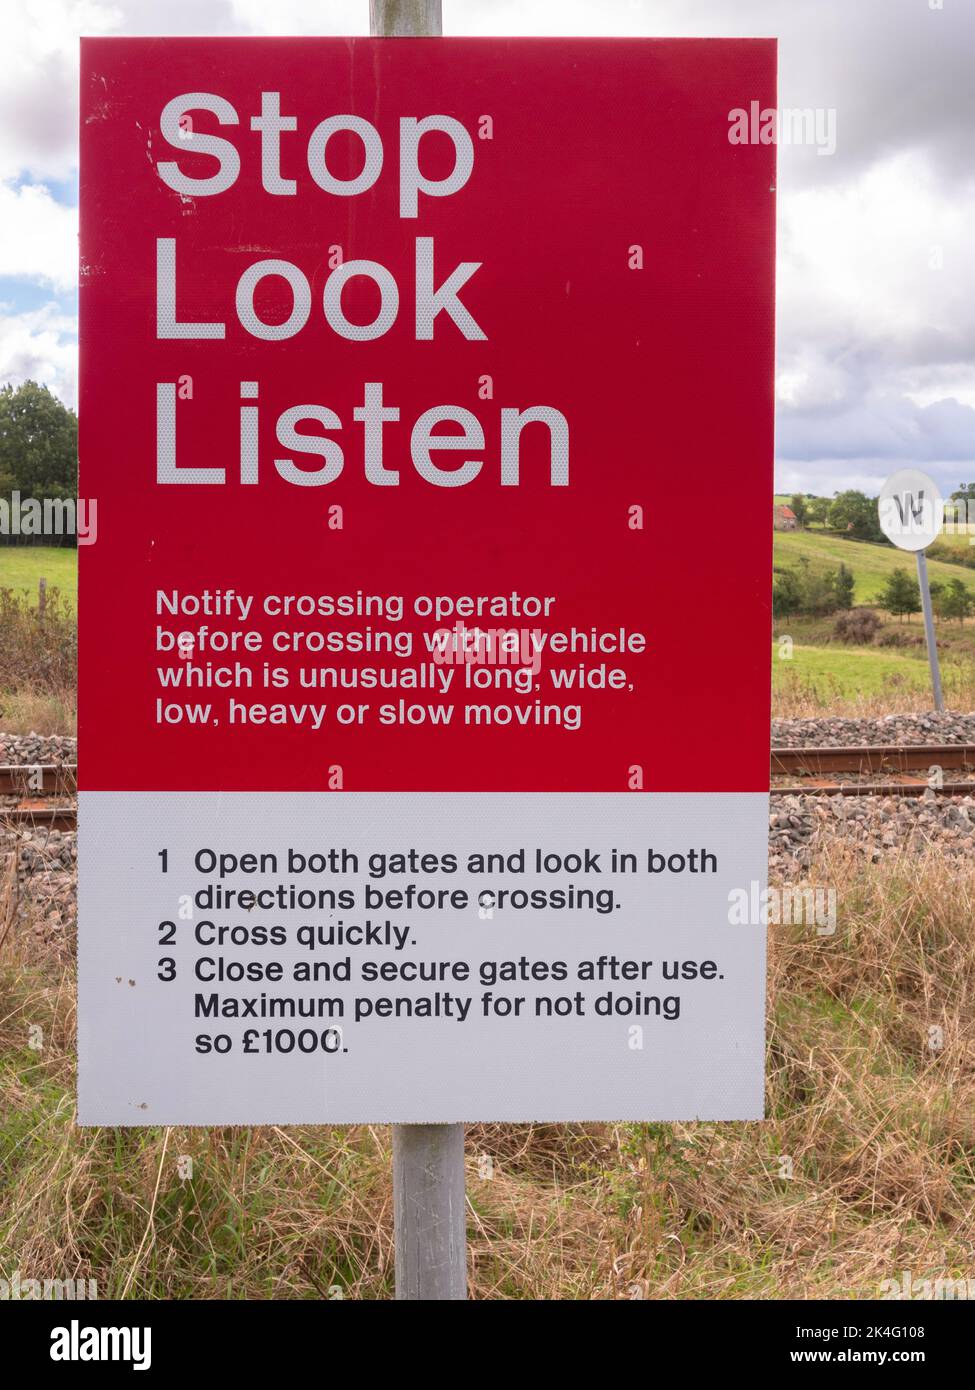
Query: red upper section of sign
pixel 664 375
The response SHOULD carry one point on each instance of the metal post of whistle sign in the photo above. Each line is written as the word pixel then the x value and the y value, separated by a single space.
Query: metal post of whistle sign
pixel 925 587
pixel 429 1201
pixel 911 511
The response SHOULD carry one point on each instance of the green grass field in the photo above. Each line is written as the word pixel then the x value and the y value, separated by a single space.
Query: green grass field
pixel 851 669
pixel 871 564
pixel 821 673
pixel 22 566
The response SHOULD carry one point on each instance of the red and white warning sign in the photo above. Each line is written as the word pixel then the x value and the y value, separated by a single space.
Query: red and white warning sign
pixel 427 399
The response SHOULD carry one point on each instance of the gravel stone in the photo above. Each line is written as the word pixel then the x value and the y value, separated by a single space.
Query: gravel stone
pixel 31 749
pixel 890 728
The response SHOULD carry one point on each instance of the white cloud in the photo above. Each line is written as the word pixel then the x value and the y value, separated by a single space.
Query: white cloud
pixel 822 478
pixel 927 384
pixel 40 344
pixel 876 290
pixel 39 96
pixel 38 236
pixel 882 260
pixel 303 16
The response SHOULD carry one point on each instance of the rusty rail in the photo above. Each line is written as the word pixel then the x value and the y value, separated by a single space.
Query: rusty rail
pixel 22 779
pixel 814 762
pixel 913 788
pixel 52 817
pixel 33 784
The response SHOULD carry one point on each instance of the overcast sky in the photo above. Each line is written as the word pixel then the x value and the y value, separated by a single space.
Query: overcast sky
pixel 876 276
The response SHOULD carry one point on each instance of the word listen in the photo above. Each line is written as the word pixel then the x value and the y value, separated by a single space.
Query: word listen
pixel 210 164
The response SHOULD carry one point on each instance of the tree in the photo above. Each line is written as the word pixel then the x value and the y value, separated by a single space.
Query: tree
pixel 817 590
pixel 900 594
pixel 856 514
pixel 813 591
pixel 843 586
pixel 798 504
pixel 817 510
pixel 786 594
pixel 38 443
pixel 953 600
pixel 960 507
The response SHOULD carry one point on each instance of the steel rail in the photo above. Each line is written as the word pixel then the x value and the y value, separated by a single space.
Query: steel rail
pixel 873 758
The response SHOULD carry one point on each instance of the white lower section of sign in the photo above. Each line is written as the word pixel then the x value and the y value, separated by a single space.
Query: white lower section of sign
pixel 556 984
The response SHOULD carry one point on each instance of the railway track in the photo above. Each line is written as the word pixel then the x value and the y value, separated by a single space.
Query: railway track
pixel 56 779
pixel 44 795
pixel 816 769
pixel 874 758
pixel 40 795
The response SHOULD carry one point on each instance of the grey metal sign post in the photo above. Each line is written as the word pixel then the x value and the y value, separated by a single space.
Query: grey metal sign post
pixel 429 1212
pixel 911 511
pixel 405 19
pixel 429 1203
pixel 925 587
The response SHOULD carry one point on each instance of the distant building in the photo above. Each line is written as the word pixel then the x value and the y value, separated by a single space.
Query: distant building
pixel 784 519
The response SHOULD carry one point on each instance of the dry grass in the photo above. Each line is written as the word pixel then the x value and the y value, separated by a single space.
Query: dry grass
pixel 826 698
pixel 879 1127
pixel 32 711
pixel 38 664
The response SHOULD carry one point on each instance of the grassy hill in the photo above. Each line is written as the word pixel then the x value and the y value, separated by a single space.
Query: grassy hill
pixel 21 566
pixel 847 669
pixel 871 564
